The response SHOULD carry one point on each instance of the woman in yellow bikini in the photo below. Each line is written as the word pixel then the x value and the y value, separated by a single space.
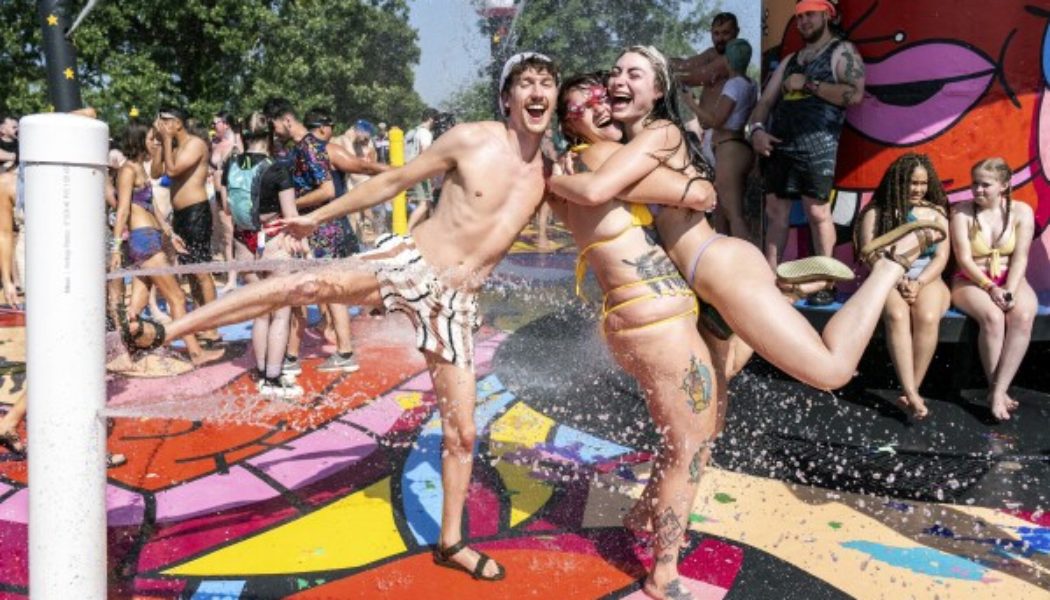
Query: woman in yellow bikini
pixel 647 309
pixel 990 237
pixel 731 274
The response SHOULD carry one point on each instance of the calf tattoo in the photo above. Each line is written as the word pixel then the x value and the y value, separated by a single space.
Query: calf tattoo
pixel 697 385
pixel 668 528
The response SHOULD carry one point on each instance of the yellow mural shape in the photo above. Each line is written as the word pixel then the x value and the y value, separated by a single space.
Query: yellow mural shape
pixel 355 531
pixel 519 428
pixel 410 400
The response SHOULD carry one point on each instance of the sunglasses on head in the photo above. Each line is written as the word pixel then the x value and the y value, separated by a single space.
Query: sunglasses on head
pixel 596 95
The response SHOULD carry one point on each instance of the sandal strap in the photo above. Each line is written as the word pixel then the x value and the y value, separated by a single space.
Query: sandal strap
pixel 479 568
pixel 450 551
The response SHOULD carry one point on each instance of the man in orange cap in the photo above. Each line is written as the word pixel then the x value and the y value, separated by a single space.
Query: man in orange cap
pixel 807 97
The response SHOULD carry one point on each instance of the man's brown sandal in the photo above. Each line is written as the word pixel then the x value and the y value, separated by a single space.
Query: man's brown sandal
pixel 443 558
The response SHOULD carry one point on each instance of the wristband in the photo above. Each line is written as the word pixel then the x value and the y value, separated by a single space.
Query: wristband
pixel 986 284
pixel 812 86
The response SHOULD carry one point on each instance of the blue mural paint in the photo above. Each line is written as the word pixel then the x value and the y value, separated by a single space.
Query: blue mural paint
pixel 421 492
pixel 1033 540
pixel 1046 57
pixel 585 447
pixel 1036 538
pixel 219 590
pixel 926 561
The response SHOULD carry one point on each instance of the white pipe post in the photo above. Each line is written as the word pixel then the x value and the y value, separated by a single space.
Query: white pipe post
pixel 64 161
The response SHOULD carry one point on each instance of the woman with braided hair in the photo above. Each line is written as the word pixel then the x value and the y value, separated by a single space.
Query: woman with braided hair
pixel 910 191
pixel 991 236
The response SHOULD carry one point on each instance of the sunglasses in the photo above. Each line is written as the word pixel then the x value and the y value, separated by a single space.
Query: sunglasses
pixel 596 95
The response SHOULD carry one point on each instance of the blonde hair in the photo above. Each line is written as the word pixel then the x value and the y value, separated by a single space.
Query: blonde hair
pixel 998 166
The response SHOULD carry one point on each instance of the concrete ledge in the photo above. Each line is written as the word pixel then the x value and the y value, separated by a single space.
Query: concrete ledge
pixel 955 326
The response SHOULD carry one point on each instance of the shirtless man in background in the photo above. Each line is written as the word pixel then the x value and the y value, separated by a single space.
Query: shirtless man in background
pixel 184 158
pixel 709 69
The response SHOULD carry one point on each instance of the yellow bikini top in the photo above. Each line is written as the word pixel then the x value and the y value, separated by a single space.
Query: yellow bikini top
pixel 980 249
pixel 640 217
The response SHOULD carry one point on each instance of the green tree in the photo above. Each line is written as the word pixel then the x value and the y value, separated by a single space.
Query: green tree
pixel 354 56
pixel 584 35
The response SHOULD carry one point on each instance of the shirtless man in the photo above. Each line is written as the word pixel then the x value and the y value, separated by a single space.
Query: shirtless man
pixel 184 158
pixel 709 69
pixel 494 182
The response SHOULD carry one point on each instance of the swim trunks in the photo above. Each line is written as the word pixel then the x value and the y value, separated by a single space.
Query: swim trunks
pixel 444 318
pixel 193 225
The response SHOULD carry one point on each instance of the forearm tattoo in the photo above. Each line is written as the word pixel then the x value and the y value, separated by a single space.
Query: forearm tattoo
pixel 668 528
pixel 697 384
pixel 658 271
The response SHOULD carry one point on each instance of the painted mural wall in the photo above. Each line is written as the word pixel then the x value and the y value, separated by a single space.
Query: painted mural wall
pixel 959 80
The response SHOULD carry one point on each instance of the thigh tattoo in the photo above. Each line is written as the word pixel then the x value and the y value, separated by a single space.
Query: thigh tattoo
pixel 697 385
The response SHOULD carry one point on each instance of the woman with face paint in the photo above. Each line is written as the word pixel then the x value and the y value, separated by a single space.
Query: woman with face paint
pixel 647 307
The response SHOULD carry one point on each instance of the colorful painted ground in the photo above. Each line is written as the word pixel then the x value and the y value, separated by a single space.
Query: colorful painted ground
pixel 338 495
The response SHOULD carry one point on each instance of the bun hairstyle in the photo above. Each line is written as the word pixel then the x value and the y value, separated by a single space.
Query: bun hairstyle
pixel 256 126
pixel 1001 169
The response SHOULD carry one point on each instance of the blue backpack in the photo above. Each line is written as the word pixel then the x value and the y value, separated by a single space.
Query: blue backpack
pixel 243 186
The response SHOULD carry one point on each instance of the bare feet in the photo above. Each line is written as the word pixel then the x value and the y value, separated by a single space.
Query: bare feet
pixel 672 590
pixel 914 405
pixel 206 356
pixel 545 245
pixel 1001 406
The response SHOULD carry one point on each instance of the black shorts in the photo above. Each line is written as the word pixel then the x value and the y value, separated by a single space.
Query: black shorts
pixel 804 166
pixel 193 225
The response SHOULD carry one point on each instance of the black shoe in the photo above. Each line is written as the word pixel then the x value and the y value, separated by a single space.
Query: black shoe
pixel 821 298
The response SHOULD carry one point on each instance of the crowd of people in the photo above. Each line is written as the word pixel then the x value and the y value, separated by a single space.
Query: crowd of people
pixel 647 164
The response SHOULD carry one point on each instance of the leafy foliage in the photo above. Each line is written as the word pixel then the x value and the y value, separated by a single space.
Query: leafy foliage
pixel 353 56
pixel 584 35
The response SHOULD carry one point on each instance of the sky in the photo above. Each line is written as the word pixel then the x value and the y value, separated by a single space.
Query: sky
pixel 453 49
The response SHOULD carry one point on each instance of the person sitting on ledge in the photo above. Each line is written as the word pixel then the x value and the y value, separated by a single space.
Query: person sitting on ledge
pixel 911 191
pixel 991 236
